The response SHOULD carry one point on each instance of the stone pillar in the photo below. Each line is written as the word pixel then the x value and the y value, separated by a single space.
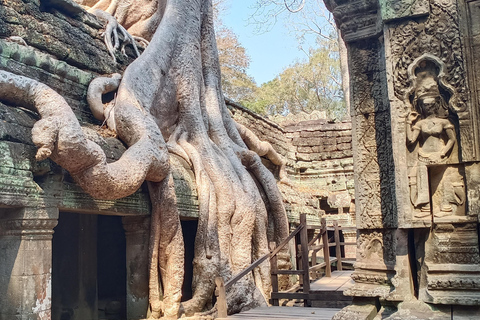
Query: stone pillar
pixel 374 170
pixel 414 67
pixel 26 262
pixel 137 232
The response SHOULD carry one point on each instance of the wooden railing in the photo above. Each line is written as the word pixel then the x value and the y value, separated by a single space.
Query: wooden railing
pixel 306 255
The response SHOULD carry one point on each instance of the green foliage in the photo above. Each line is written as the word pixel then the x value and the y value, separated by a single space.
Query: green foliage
pixel 305 86
pixel 236 83
pixel 314 84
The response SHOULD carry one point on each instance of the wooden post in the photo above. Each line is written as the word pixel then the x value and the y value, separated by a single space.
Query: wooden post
pixel 221 298
pixel 298 255
pixel 326 251
pixel 274 275
pixel 305 264
pixel 338 250
pixel 314 260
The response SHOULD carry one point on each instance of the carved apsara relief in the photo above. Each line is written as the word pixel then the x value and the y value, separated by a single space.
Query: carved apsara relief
pixel 438 35
pixel 436 182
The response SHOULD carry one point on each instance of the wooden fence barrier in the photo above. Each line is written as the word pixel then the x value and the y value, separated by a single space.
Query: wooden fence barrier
pixel 306 256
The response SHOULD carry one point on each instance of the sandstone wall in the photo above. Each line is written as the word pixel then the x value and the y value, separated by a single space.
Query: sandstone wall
pixel 58 44
pixel 319 164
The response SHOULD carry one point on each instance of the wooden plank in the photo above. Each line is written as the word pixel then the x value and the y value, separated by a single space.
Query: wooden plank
pixel 317 295
pixel 274 276
pixel 313 273
pixel 347 285
pixel 329 296
pixel 221 298
pixel 326 255
pixel 305 264
pixel 286 313
pixel 339 281
pixel 289 295
pixel 343 244
pixel 338 249
pixel 287 272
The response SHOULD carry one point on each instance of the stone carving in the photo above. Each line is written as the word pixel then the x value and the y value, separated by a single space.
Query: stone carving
pixel 416 71
pixel 406 8
pixel 432 141
pixel 374 205
pixel 439 35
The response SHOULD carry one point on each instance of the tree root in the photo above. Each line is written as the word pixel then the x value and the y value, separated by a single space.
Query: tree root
pixel 58 135
pixel 98 87
pixel 168 247
pixel 263 148
pixel 110 35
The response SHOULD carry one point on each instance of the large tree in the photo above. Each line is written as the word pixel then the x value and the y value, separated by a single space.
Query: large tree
pixel 305 18
pixel 234 61
pixel 169 100
pixel 306 86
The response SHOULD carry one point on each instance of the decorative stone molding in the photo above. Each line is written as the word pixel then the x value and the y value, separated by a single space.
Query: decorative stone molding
pixel 38 229
pixel 356 19
pixel 371 278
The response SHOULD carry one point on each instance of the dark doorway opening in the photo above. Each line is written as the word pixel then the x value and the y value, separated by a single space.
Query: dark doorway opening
pixel 88 268
pixel 111 268
pixel 189 230
pixel 74 267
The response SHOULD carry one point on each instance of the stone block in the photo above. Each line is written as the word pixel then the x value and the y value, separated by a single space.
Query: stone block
pixel 344 146
pixel 357 312
pixel 344 139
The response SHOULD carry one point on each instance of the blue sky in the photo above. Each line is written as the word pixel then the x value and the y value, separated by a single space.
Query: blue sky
pixel 270 52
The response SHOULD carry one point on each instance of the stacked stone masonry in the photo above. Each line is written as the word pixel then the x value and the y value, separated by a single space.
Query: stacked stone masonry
pixel 60 45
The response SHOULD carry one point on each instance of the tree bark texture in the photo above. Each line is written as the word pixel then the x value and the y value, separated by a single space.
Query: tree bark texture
pixel 172 93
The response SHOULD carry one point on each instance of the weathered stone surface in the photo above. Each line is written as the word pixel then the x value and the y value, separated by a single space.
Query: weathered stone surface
pixel 358 311
pixel 52 56
pixel 57 34
pixel 319 163
pixel 415 144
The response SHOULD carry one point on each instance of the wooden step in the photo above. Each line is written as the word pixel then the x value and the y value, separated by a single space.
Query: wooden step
pixel 286 313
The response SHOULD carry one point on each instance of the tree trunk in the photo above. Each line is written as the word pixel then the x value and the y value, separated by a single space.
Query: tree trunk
pixel 172 92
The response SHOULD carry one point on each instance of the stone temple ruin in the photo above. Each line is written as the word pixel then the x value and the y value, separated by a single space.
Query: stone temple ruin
pixel 67 255
pixel 412 147
pixel 415 101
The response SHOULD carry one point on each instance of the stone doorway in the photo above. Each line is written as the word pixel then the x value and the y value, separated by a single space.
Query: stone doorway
pixel 189 230
pixel 88 268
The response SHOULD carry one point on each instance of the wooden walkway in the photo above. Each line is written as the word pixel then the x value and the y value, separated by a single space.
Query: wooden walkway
pixel 327 292
pixel 286 313
pixel 327 299
pixel 339 281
